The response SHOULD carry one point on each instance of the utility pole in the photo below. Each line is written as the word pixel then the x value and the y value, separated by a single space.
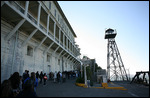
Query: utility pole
pixel 85 77
pixel 86 62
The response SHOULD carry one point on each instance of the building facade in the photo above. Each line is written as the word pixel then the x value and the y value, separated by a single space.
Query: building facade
pixel 36 36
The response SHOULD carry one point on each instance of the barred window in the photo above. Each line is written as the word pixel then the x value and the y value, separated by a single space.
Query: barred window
pixel 58 17
pixel 58 61
pixel 48 58
pixel 55 13
pixel 49 5
pixel 29 51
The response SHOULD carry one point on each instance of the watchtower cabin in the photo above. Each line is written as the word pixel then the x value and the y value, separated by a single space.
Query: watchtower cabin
pixel 109 33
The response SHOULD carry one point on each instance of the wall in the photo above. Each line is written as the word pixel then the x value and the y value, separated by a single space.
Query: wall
pixel 14 57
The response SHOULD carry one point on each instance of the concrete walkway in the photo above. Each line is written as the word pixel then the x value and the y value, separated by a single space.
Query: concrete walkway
pixel 69 89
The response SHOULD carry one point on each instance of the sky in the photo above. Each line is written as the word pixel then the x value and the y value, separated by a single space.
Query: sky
pixel 90 19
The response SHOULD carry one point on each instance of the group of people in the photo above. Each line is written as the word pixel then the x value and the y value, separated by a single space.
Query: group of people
pixel 60 77
pixel 25 85
pixel 22 85
pixel 41 77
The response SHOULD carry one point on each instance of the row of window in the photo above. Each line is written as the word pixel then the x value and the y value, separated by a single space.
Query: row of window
pixel 60 20
pixel 30 53
pixel 70 36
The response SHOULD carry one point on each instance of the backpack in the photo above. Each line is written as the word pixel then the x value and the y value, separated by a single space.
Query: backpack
pixel 45 77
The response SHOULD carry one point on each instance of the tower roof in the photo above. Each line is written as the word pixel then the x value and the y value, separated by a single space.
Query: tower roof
pixel 109 30
pixel 109 33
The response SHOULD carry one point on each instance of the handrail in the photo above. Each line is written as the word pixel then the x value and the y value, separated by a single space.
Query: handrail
pixel 56 40
pixel 42 27
pixel 51 35
pixel 32 18
pixel 17 6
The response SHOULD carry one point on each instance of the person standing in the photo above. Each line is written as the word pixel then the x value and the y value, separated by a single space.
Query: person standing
pixel 41 77
pixel 50 75
pixel 15 81
pixel 60 79
pixel 76 74
pixel 27 75
pixel 20 85
pixel 37 75
pixel 33 79
pixel 28 90
pixel 24 75
pixel 45 78
pixel 64 76
pixel 55 76
pixel 6 89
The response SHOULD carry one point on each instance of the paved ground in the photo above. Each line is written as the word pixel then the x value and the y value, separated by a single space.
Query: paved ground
pixel 69 89
pixel 137 90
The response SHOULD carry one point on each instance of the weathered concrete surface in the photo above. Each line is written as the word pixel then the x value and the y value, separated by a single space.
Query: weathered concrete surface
pixel 14 56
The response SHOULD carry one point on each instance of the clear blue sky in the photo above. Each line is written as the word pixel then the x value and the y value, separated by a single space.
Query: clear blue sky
pixel 89 19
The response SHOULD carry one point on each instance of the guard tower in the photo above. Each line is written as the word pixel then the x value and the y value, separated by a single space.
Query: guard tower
pixel 115 67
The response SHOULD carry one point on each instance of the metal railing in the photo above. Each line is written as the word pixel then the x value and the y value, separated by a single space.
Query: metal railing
pixel 32 18
pixel 51 35
pixel 61 44
pixel 17 6
pixel 22 10
pixel 42 27
pixel 56 40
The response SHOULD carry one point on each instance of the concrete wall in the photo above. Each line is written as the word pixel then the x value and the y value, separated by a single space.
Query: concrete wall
pixel 14 57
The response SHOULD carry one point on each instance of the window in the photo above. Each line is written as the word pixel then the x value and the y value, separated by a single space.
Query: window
pixel 66 65
pixel 67 31
pixel 55 13
pixel 49 5
pixel 65 27
pixel 61 22
pixel 58 61
pixel 70 66
pixel 58 18
pixel 29 51
pixel 62 25
pixel 48 58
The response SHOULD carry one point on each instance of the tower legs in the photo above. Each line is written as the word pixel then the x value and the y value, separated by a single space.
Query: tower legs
pixel 115 67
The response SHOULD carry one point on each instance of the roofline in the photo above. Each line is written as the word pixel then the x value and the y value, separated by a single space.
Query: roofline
pixel 59 8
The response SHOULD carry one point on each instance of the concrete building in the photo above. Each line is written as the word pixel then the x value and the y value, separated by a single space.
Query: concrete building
pixel 101 76
pixel 36 36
